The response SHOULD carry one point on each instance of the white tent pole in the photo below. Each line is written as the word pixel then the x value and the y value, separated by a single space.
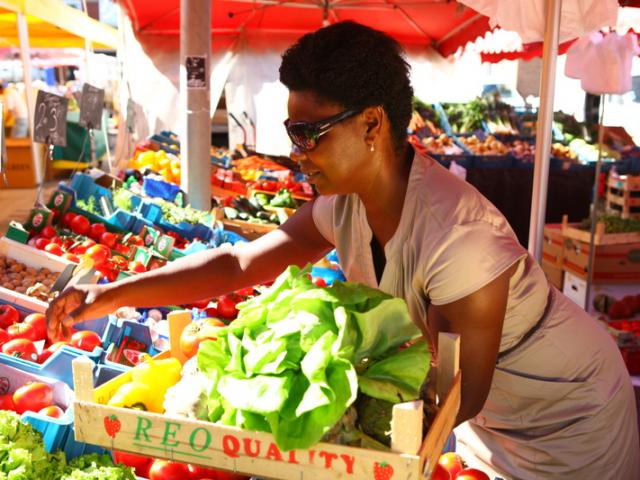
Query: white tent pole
pixel 25 54
pixel 543 128
pixel 195 103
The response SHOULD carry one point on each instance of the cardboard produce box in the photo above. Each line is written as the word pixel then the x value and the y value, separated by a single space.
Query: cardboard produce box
pixel 553 245
pixel 256 453
pixel 19 164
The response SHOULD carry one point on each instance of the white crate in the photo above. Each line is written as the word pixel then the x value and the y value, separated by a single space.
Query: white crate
pixel 576 289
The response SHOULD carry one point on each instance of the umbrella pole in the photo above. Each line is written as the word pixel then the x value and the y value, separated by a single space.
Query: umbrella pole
pixel 25 54
pixel 543 128
pixel 195 109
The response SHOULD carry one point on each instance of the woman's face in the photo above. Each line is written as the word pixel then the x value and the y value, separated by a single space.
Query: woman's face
pixel 341 160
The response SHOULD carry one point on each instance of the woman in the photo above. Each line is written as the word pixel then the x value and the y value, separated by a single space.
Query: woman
pixel 545 393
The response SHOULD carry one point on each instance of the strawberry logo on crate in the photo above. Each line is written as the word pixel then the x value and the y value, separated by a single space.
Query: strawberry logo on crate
pixel 382 471
pixel 112 425
pixel 37 219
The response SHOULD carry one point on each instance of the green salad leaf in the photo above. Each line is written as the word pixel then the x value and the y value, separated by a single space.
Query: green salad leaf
pixel 292 362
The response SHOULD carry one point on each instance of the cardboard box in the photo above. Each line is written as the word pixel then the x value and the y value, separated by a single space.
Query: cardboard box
pixel 19 167
pixel 554 273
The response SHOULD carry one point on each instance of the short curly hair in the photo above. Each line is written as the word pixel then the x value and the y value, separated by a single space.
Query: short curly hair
pixel 355 66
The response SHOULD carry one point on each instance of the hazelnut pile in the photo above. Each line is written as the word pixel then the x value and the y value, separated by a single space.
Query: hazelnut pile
pixel 18 277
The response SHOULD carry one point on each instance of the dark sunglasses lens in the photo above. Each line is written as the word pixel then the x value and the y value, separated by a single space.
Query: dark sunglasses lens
pixel 301 136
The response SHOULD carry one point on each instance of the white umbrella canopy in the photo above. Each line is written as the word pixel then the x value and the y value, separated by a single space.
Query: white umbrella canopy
pixel 546 20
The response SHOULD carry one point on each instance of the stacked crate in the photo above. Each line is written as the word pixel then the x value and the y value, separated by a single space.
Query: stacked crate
pixel 623 195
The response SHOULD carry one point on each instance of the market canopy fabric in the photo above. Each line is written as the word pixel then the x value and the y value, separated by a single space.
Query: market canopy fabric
pixel 53 24
pixel 444 25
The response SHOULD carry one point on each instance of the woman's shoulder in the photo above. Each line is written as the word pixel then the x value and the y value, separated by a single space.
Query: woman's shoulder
pixel 447 200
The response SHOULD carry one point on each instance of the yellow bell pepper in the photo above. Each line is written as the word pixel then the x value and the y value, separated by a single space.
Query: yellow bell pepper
pixel 150 382
pixel 138 396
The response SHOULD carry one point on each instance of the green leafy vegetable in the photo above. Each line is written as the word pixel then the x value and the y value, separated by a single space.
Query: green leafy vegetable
pixel 90 205
pixel 289 364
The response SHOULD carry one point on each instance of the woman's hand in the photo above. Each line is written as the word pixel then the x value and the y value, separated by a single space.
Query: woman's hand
pixel 74 305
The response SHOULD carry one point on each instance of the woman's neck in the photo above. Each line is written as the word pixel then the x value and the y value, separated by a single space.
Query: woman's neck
pixel 384 197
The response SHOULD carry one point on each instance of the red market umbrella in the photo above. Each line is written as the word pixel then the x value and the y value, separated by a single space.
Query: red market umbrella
pixel 444 24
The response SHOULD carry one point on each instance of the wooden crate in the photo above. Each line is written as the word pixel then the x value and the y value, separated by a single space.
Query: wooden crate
pixel 617 258
pixel 255 453
pixel 553 246
pixel 623 195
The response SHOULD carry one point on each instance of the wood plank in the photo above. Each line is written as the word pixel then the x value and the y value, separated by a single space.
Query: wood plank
pixel 441 428
pixel 230 448
pixel 406 427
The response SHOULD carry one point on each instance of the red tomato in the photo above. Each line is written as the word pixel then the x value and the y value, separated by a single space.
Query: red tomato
pixel 319 282
pixel 98 253
pixel 6 402
pixel 202 473
pixel 96 230
pixel 54 249
pixel 227 305
pixel 72 257
pixel 472 474
pixel 48 232
pixel 440 473
pixel 57 240
pixel 67 218
pixel 136 240
pixel 4 336
pixel 8 315
pixel 165 470
pixel 53 348
pixel 139 463
pixel 109 239
pixel 23 330
pixel 197 332
pixel 21 348
pixel 83 247
pixel 137 267
pixel 41 242
pixel 39 322
pixel 451 462
pixel 211 311
pixel 86 340
pixel 33 396
pixel 80 225
pixel 52 411
pixel 123 249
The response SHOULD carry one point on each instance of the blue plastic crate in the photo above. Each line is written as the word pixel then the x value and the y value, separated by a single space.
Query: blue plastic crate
pixel 159 188
pixel 58 365
pixel 329 275
pixel 117 329
pixel 463 160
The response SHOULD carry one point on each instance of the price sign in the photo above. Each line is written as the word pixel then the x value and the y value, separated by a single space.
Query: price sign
pixel 50 119
pixel 91 103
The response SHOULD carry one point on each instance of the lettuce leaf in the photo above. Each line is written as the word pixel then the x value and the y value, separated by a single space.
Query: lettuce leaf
pixel 287 365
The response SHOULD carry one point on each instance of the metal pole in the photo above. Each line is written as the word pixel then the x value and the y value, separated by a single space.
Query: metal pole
pixel 25 54
pixel 543 128
pixel 594 207
pixel 195 47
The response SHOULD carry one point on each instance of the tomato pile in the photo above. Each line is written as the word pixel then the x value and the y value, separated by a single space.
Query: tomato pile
pixel 18 337
pixel 79 240
pixel 156 469
pixel 32 397
pixel 451 467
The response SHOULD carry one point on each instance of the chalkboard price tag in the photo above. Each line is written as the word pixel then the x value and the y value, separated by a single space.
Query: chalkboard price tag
pixel 91 103
pixel 50 120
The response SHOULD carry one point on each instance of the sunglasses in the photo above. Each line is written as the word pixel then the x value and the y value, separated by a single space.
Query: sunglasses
pixel 306 136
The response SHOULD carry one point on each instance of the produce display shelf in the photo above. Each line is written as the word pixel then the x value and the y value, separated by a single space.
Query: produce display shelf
pixel 601 238
pixel 219 446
